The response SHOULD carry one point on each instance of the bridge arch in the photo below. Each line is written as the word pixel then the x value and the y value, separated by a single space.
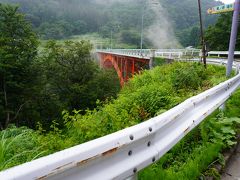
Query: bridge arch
pixel 125 66
pixel 108 61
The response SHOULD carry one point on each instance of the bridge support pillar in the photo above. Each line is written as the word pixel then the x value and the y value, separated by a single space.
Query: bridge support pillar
pixel 133 67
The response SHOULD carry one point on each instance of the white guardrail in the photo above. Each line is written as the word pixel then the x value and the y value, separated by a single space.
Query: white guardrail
pixel 122 154
pixel 147 53
pixel 219 53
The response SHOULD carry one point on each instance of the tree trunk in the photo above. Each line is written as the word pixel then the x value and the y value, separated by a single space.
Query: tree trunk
pixel 6 104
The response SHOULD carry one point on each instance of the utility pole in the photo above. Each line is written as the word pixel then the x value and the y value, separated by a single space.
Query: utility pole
pixel 144 7
pixel 202 34
pixel 141 45
pixel 111 39
pixel 233 38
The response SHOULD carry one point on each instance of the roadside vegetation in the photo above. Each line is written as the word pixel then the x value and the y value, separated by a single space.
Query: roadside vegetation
pixel 54 96
pixel 194 156
pixel 145 96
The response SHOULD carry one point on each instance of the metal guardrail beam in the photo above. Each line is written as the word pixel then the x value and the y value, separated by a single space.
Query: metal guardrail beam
pixel 218 53
pixel 122 154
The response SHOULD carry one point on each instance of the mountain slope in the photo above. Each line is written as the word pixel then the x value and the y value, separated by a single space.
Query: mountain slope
pixel 59 19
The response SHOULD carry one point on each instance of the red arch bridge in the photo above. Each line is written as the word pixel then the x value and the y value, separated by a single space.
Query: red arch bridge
pixel 128 62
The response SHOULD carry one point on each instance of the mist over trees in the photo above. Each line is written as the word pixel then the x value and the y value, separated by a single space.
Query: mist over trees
pixel 186 19
pixel 57 19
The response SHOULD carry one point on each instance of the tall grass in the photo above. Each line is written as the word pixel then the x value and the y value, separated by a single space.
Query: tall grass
pixel 18 145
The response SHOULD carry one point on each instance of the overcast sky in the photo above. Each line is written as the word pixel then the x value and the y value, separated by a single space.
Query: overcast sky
pixel 227 1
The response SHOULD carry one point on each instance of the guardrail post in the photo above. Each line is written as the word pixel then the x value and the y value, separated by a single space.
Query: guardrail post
pixel 222 107
pixel 237 69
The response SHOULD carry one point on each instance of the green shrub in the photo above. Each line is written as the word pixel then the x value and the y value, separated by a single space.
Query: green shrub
pixel 189 76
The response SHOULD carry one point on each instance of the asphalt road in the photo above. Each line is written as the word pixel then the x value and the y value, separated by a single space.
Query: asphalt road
pixel 232 171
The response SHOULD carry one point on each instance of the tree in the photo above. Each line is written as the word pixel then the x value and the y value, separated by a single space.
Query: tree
pixel 74 76
pixel 79 27
pixel 194 37
pixel 18 49
pixel 131 37
pixel 218 35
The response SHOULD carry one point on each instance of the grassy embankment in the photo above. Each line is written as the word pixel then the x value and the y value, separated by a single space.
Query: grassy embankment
pixel 97 41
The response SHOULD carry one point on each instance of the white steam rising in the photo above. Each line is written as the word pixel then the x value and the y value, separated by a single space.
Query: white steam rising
pixel 161 32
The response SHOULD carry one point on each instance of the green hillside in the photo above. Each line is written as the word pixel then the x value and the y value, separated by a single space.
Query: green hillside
pixel 60 19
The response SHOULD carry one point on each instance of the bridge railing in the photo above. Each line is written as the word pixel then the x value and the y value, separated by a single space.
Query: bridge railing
pixel 177 53
pixel 122 154
pixel 216 61
pixel 144 53
pixel 147 53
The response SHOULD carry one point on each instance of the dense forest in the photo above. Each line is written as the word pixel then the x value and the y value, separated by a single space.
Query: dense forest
pixel 36 87
pixel 58 19
pixel 218 34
